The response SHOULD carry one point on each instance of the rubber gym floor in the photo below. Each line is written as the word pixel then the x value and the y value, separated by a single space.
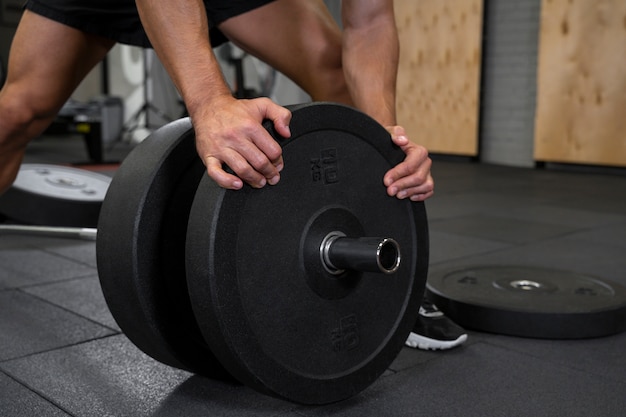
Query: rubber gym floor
pixel 62 354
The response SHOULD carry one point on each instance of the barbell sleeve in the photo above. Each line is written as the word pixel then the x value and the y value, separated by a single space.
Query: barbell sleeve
pixel 367 254
pixel 83 233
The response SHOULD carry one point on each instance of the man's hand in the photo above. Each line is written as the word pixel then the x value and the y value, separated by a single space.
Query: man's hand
pixel 411 178
pixel 230 131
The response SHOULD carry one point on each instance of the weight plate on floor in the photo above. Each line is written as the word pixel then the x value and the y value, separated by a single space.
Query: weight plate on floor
pixel 530 302
pixel 55 195
pixel 274 316
pixel 140 249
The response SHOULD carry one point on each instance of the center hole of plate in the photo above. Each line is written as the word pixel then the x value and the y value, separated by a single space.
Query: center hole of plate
pixel 525 284
pixel 67 182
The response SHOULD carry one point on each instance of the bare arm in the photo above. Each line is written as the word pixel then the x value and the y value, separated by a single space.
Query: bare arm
pixel 370 60
pixel 227 130
pixel 370 56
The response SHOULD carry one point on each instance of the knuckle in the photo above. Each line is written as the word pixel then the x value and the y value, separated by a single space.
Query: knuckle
pixel 249 175
pixel 244 171
pixel 246 127
pixel 259 162
pixel 274 151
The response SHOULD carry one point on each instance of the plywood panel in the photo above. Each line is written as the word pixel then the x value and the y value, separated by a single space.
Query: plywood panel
pixel 581 98
pixel 439 73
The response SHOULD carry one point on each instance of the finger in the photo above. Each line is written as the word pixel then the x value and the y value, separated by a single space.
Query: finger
pixel 424 190
pixel 280 117
pixel 416 182
pixel 410 172
pixel 415 162
pixel 421 197
pixel 242 171
pixel 243 161
pixel 221 177
pixel 262 155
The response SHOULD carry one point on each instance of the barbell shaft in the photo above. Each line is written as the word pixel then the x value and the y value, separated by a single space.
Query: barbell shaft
pixel 84 233
pixel 372 254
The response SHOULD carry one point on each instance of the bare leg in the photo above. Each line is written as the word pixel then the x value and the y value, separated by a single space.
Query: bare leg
pixel 298 38
pixel 46 63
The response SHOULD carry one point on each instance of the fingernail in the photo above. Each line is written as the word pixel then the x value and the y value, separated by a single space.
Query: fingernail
pixel 262 183
pixel 280 167
pixel 402 194
pixel 393 191
pixel 274 180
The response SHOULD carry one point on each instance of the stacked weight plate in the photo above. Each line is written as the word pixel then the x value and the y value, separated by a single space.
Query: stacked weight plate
pixel 235 284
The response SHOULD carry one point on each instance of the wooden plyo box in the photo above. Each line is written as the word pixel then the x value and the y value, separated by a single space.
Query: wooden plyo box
pixel 439 73
pixel 581 92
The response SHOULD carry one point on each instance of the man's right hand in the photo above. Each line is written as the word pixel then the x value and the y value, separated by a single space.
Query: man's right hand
pixel 229 131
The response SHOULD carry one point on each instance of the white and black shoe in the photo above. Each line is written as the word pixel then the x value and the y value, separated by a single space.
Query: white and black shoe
pixel 434 331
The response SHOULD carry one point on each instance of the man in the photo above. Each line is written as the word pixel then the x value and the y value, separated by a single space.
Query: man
pixel 58 42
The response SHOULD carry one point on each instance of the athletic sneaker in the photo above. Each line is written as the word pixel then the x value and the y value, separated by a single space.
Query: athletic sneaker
pixel 434 331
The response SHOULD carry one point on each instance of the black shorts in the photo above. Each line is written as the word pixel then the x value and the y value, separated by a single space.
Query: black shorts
pixel 118 19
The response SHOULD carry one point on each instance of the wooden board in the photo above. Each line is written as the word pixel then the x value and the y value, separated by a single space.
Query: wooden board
pixel 439 73
pixel 581 97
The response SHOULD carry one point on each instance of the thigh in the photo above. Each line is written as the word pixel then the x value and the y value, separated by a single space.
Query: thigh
pixel 299 38
pixel 47 61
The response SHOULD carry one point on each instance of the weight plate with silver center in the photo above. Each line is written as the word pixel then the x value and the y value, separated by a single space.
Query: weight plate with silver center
pixel 54 195
pixel 530 301
pixel 276 315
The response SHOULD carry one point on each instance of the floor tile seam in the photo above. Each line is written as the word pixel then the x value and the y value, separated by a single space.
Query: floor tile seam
pixel 91 275
pixel 12 271
pixel 509 246
pixel 67 258
pixel 565 235
pixel 522 244
pixel 617 219
pixel 471 236
pixel 57 281
pixel 491 238
pixel 4 362
pixel 36 392
pixel 17 273
pixel 616 222
pixel 585 170
pixel 45 249
pixel 67 310
pixel 606 206
pixel 560 365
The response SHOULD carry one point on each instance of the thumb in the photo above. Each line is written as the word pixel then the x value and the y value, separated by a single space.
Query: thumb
pixel 280 117
pixel 398 135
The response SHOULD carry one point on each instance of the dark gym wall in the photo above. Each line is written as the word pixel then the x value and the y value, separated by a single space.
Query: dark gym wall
pixel 509 78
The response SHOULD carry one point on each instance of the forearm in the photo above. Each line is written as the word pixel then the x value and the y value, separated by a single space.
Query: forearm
pixel 180 37
pixel 370 57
